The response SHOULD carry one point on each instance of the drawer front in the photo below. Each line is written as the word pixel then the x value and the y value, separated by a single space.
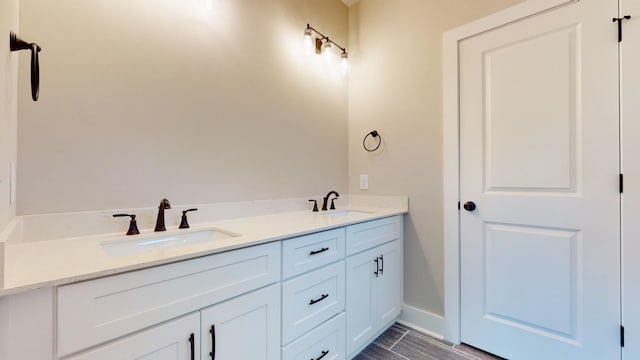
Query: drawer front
pixel 306 253
pixel 327 341
pixel 311 299
pixel 97 311
pixel 369 234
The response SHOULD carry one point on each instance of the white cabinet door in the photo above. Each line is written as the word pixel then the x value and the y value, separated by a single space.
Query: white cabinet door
pixel 374 292
pixel 361 295
pixel 175 340
pixel 388 284
pixel 244 328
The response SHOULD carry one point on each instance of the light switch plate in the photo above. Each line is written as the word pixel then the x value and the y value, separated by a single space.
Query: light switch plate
pixel 364 182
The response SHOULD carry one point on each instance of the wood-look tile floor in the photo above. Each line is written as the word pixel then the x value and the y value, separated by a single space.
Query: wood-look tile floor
pixel 402 343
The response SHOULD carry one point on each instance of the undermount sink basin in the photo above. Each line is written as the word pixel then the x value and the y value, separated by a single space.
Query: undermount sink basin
pixel 137 244
pixel 345 213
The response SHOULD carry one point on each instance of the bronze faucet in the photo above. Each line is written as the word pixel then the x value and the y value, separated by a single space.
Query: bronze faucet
pixel 325 200
pixel 164 204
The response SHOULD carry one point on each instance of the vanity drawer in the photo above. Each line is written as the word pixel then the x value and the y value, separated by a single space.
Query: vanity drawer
pixel 96 311
pixel 370 234
pixel 311 299
pixel 328 338
pixel 309 252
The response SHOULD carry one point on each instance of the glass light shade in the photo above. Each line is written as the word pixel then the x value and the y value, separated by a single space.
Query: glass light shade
pixel 344 63
pixel 208 4
pixel 328 54
pixel 308 41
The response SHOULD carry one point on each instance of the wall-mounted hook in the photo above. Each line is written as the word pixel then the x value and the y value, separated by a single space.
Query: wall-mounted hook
pixel 16 44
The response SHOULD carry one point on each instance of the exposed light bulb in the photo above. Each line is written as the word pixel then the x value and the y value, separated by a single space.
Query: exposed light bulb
pixel 308 41
pixel 328 56
pixel 208 4
pixel 344 63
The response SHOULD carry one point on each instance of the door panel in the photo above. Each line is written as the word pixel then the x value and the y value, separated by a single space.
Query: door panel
pixel 388 294
pixel 540 158
pixel 361 299
pixel 243 328
pixel 169 341
pixel 520 130
pixel 541 259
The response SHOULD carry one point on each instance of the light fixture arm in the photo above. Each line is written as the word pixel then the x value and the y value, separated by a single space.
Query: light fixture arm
pixel 326 38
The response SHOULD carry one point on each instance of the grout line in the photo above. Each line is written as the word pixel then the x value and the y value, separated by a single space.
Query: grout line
pixel 402 356
pixel 445 346
pixel 400 338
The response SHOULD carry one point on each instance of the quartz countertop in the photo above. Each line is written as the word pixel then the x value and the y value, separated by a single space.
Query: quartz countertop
pixel 30 265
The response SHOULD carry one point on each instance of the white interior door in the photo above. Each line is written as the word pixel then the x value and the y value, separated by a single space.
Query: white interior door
pixel 540 255
pixel 630 117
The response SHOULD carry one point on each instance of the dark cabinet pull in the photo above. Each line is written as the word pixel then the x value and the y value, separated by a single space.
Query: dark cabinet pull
pixel 377 267
pixel 192 341
pixel 318 251
pixel 381 264
pixel 213 342
pixel 16 44
pixel 324 296
pixel 324 353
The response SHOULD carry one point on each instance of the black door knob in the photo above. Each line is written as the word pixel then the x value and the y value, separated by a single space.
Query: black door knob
pixel 469 206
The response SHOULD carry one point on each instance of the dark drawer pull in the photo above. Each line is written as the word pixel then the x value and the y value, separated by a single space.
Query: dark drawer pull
pixel 377 266
pixel 192 345
pixel 324 353
pixel 381 264
pixel 318 251
pixel 213 342
pixel 324 296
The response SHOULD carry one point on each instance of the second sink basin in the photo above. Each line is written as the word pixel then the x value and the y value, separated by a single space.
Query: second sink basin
pixel 137 244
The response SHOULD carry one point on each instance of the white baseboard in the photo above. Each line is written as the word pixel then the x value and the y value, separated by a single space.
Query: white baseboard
pixel 421 320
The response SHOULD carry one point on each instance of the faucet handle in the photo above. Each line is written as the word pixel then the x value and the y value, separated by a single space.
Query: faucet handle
pixel 133 225
pixel 333 206
pixel 184 224
pixel 315 205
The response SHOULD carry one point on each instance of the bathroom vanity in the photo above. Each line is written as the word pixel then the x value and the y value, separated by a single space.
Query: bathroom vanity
pixel 323 290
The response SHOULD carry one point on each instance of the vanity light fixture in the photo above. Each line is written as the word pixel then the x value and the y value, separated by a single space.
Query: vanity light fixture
pixel 324 45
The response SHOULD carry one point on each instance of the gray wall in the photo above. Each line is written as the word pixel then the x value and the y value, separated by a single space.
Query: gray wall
pixel 396 88
pixel 145 99
pixel 8 105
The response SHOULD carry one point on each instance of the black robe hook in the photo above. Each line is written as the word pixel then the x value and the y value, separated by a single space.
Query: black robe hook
pixel 15 44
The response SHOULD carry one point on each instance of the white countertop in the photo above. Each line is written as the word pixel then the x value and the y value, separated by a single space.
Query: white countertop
pixel 37 264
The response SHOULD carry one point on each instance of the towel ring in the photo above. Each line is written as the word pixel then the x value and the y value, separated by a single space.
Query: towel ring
pixel 374 134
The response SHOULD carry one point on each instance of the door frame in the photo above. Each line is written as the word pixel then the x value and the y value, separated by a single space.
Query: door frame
pixel 451 146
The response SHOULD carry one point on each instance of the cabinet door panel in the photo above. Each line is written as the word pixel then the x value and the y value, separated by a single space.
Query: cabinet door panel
pixel 361 295
pixel 389 284
pixel 245 328
pixel 169 341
